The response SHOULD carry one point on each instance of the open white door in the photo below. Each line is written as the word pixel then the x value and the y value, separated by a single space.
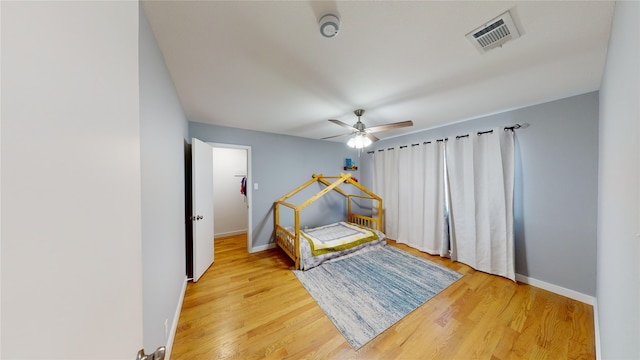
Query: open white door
pixel 202 196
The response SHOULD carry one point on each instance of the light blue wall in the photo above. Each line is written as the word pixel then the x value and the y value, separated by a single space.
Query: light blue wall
pixel 555 200
pixel 279 165
pixel 618 294
pixel 163 128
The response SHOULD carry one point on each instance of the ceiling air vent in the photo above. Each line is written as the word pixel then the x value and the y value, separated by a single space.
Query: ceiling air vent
pixel 494 33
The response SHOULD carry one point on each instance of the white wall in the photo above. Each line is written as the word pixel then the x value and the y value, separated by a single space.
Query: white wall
pixel 230 206
pixel 163 129
pixel 618 272
pixel 71 234
pixel 0 181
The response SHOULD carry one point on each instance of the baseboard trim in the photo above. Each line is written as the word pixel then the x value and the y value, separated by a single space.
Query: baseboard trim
pixel 571 294
pixel 176 318
pixel 230 233
pixel 262 247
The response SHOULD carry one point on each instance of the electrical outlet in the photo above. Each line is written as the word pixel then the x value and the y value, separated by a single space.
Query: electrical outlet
pixel 166 329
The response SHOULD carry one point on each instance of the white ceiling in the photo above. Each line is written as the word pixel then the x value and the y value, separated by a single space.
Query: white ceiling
pixel 263 65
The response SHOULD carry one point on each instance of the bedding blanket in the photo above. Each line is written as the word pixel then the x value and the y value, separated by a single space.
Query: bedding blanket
pixel 337 237
pixel 334 241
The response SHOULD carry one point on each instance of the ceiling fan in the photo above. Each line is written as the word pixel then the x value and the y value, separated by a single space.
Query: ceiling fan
pixel 363 136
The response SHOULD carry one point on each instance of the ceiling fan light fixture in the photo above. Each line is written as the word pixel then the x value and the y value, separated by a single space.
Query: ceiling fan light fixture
pixel 361 136
pixel 359 141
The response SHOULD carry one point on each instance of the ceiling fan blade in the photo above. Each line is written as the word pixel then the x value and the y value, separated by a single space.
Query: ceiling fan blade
pixel 338 122
pixel 334 136
pixel 390 126
pixel 372 137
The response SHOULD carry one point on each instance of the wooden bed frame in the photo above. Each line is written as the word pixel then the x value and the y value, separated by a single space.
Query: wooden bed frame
pixel 290 242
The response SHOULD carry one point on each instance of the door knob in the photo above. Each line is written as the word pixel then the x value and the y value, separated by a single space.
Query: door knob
pixel 199 217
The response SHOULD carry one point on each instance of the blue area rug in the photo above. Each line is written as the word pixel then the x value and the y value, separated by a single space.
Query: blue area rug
pixel 367 293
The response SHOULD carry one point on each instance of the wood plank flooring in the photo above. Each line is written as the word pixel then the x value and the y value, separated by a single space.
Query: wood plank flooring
pixel 251 306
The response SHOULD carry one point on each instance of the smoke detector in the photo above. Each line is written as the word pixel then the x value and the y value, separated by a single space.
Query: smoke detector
pixel 494 33
pixel 329 25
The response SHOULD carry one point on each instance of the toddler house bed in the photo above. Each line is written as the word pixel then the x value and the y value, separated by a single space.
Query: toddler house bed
pixel 310 247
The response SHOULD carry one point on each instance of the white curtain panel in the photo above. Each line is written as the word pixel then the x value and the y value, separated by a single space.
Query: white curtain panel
pixel 385 185
pixel 435 239
pixel 406 168
pixel 421 207
pixel 391 190
pixel 378 178
pixel 481 176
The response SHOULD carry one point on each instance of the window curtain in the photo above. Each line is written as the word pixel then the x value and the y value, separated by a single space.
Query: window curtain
pixel 470 207
pixel 410 181
pixel 385 185
pixel 481 177
pixel 421 208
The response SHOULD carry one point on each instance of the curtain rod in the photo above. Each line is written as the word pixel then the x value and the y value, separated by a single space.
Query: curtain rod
pixel 506 128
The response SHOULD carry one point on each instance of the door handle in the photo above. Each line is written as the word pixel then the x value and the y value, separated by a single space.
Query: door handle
pixel 156 355
pixel 199 217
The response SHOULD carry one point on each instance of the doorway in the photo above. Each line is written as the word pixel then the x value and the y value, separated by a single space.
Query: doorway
pixel 232 193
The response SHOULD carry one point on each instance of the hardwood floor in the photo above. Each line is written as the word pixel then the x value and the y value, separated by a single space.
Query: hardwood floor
pixel 251 306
